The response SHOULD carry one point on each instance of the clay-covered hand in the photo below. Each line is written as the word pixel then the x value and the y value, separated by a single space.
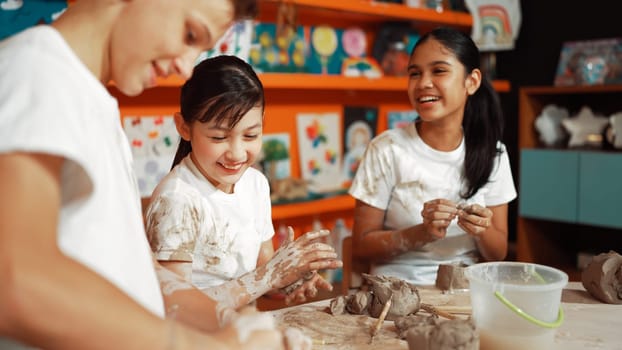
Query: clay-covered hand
pixel 309 287
pixel 437 215
pixel 295 258
pixel 250 329
pixel 475 219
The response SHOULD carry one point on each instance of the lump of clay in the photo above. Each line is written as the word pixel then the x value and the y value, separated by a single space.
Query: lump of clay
pixel 451 276
pixel 338 305
pixel 405 300
pixel 602 277
pixel 404 323
pixel 358 303
pixel 455 334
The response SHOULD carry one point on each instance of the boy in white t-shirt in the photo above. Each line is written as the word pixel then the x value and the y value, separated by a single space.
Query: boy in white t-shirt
pixel 210 219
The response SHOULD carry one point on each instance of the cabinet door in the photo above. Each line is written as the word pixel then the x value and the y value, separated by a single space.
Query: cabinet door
pixel 600 189
pixel 548 184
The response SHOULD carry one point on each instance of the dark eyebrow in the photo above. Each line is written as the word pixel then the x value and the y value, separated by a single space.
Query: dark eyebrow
pixel 440 62
pixel 222 128
pixel 258 125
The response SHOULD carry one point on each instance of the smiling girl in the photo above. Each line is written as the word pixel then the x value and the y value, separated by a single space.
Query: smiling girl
pixel 209 219
pixel 436 191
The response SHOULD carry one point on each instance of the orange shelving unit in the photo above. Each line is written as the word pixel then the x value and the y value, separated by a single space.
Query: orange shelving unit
pixel 365 12
pixel 288 94
pixel 304 81
pixel 342 202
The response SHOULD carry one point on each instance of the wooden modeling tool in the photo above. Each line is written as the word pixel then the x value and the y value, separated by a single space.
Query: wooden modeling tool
pixel 380 322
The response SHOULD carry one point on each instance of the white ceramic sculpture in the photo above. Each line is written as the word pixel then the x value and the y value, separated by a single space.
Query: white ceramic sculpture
pixel 616 129
pixel 549 126
pixel 584 127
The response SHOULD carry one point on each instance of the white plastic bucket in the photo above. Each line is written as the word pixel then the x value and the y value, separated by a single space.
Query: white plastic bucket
pixel 516 305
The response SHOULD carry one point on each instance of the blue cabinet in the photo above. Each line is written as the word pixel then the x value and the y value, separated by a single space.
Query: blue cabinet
pixel 580 187
pixel 600 189
pixel 548 184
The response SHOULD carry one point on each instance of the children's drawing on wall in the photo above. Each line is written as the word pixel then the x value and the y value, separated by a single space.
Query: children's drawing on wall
pixel 153 140
pixel 235 42
pixel 270 52
pixel 400 119
pixel 17 15
pixel 326 54
pixel 356 63
pixel 496 23
pixel 359 128
pixel 319 144
pixel 275 156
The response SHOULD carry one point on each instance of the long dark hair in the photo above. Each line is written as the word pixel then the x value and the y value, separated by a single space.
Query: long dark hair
pixel 483 118
pixel 221 89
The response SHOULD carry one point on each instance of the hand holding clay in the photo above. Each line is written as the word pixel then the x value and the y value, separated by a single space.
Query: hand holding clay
pixel 437 215
pixel 308 288
pixel 295 258
pixel 251 329
pixel 474 219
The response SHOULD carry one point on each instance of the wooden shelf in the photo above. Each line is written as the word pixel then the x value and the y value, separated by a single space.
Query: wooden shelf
pixel 563 90
pixel 301 81
pixel 314 207
pixel 367 11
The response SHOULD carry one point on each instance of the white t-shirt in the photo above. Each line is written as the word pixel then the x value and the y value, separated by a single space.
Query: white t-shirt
pixel 51 103
pixel 399 173
pixel 190 220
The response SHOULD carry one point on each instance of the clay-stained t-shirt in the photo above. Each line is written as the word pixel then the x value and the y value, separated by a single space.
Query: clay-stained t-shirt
pixel 190 220
pixel 399 172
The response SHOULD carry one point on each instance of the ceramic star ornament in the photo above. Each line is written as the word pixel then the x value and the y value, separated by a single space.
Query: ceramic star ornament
pixel 616 129
pixel 584 127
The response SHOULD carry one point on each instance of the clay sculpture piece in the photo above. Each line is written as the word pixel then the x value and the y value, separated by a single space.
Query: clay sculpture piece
pixel 406 298
pixel 451 276
pixel 404 323
pixel 602 277
pixel 447 335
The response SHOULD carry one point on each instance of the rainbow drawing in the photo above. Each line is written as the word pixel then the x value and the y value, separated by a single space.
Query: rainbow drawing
pixel 495 19
pixel 495 23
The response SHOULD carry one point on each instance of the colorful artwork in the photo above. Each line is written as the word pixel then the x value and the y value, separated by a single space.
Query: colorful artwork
pixel 399 119
pixel 17 15
pixel 285 54
pixel 276 159
pixel 360 124
pixel 326 55
pixel 153 140
pixel 236 42
pixel 590 62
pixel 356 64
pixel 496 23
pixel 319 145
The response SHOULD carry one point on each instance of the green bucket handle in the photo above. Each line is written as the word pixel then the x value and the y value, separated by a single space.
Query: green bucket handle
pixel 528 317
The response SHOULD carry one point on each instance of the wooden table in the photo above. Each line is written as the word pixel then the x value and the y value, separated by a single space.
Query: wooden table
pixel 588 324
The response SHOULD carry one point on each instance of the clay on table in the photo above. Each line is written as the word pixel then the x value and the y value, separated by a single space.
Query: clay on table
pixel 375 292
pixel 447 335
pixel 451 276
pixel 602 277
pixel 404 323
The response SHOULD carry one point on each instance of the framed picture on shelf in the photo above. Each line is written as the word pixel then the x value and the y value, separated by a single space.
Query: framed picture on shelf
pixel 590 62
pixel 153 140
pixel 359 125
pixel 319 146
